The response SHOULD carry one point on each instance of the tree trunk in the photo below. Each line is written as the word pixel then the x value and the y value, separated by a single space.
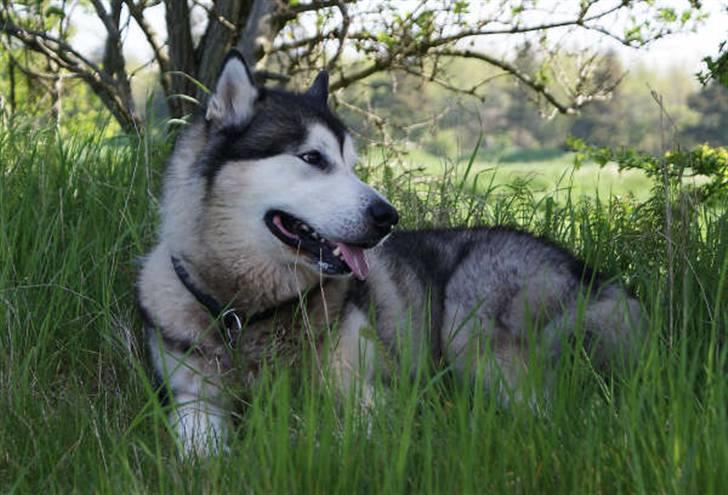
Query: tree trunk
pixel 115 62
pixel 52 88
pixel 58 97
pixel 221 33
pixel 259 30
pixel 181 58
pixel 11 81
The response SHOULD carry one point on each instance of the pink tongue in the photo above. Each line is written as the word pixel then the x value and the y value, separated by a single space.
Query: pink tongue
pixel 354 257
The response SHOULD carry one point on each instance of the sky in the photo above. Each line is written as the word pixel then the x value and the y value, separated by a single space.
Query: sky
pixel 680 50
pixel 684 49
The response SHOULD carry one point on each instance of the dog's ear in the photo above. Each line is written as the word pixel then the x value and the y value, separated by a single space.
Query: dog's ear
pixel 320 87
pixel 235 93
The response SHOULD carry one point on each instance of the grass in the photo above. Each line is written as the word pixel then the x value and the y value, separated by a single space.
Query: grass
pixel 78 413
pixel 545 174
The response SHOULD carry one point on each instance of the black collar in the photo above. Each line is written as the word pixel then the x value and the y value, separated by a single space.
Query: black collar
pixel 230 320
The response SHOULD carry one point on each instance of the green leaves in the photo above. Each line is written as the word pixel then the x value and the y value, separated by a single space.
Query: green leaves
pixel 460 7
pixel 54 11
pixel 710 163
pixel 633 35
pixel 667 15
pixel 386 38
pixel 717 67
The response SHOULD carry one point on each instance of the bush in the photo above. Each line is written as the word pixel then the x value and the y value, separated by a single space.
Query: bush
pixel 669 169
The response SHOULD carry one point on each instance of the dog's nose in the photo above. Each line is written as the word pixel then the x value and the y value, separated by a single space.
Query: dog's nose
pixel 382 215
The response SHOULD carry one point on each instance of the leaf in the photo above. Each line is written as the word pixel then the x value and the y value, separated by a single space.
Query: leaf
pixel 460 8
pixel 686 15
pixel 667 15
pixel 55 11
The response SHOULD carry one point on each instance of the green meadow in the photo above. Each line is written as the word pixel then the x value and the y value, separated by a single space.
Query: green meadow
pixel 551 172
pixel 78 413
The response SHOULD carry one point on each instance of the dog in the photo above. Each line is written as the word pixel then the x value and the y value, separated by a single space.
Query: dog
pixel 269 240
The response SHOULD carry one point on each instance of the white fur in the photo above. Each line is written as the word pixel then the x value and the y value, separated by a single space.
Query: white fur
pixel 354 357
pixel 334 200
pixel 200 415
pixel 200 426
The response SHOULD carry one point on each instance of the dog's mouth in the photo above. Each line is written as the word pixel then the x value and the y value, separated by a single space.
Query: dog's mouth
pixel 331 257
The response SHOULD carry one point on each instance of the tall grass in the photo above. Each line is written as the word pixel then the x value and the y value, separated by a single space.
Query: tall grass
pixel 77 411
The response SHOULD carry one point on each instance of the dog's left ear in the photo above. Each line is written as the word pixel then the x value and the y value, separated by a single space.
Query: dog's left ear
pixel 235 93
pixel 320 87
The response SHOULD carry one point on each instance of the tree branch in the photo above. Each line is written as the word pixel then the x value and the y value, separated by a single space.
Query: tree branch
pixel 345 80
pixel 291 11
pixel 216 41
pixel 137 12
pixel 515 72
pixel 261 28
pixel 61 53
pixel 114 62
pixel 342 33
pixel 41 39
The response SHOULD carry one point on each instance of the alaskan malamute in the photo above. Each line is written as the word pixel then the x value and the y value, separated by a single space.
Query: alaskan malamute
pixel 269 240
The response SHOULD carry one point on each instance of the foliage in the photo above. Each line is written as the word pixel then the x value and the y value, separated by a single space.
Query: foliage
pixel 711 104
pixel 631 118
pixel 717 67
pixel 354 39
pixel 669 169
pixel 605 121
pixel 401 108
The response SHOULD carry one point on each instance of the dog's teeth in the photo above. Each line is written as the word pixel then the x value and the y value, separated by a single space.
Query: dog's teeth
pixel 337 251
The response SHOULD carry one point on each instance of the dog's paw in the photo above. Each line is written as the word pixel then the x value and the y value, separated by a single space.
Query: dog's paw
pixel 200 433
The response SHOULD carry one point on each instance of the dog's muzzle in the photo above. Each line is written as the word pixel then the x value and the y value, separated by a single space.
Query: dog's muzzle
pixel 382 216
pixel 334 256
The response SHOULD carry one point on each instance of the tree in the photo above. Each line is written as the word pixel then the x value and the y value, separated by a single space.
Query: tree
pixel 603 123
pixel 712 101
pixel 716 67
pixel 711 104
pixel 42 77
pixel 354 39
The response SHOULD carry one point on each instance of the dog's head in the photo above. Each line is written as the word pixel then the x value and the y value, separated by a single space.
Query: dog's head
pixel 280 180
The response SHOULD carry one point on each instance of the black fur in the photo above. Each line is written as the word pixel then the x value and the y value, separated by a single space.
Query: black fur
pixel 358 294
pixel 160 387
pixel 278 125
pixel 320 87
pixel 433 255
pixel 239 57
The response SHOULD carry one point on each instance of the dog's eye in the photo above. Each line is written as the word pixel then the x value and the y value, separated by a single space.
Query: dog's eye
pixel 313 158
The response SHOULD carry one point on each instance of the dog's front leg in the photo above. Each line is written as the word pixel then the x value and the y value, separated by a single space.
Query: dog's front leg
pixel 352 361
pixel 193 383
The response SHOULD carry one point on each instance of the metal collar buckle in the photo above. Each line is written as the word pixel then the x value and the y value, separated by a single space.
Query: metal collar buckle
pixel 233 326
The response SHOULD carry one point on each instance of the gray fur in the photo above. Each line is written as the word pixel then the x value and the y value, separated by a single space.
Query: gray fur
pixel 451 293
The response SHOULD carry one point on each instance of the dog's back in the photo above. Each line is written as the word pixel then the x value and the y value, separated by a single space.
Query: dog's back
pixel 461 292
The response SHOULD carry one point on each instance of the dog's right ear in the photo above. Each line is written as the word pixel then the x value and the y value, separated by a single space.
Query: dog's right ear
pixel 235 93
